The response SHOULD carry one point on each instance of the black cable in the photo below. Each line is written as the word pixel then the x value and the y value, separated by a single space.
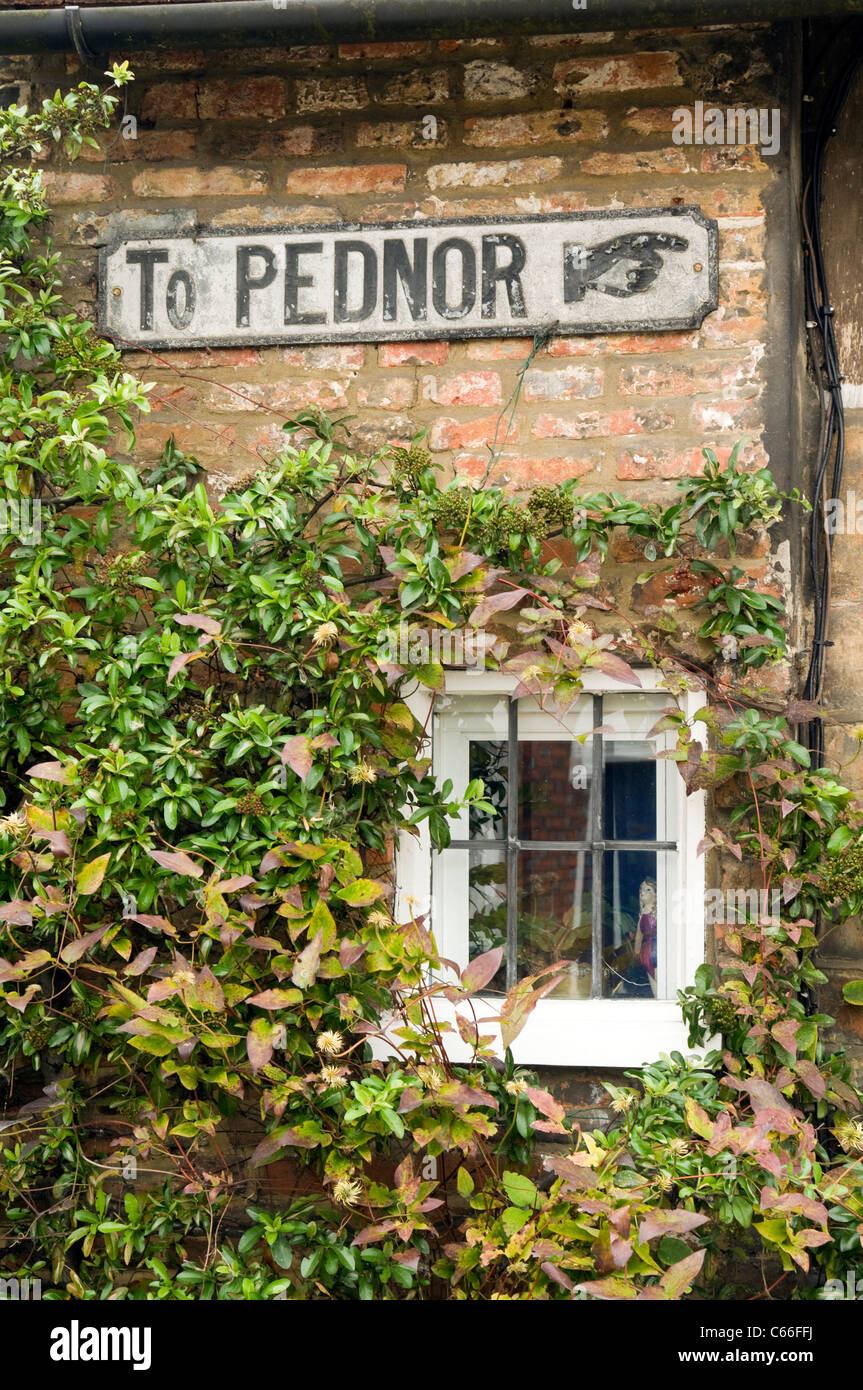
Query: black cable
pixel 820 318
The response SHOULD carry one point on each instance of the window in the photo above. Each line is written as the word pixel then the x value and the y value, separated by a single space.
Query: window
pixel 589 857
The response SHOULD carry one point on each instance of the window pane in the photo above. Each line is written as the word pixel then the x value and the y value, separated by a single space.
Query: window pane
pixel 630 790
pixel 486 905
pixel 554 916
pixel 488 761
pixel 554 789
pixel 631 944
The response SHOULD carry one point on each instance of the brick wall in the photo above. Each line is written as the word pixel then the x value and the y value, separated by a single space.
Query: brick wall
pixel 549 124
pixel 264 138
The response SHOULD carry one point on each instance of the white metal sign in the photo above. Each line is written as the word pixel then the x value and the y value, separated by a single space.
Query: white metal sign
pixel 572 274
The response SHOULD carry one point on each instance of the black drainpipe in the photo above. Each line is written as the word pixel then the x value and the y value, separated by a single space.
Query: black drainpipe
pixel 236 23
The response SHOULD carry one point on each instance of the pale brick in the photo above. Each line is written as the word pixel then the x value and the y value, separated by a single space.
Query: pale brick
pixel 426 85
pixel 347 179
pixel 222 181
pixel 725 415
pixel 77 188
pixel 535 128
pixel 731 377
pixel 268 216
pixel 672 160
pixel 331 93
pixel 488 81
pixel 401 134
pixel 563 384
pixel 468 388
pixel 393 393
pixel 593 425
pixel 500 174
pixel 618 74
pixel 330 357
pixel 650 120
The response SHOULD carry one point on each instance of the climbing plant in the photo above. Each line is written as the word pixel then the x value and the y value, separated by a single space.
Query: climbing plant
pixel 206 756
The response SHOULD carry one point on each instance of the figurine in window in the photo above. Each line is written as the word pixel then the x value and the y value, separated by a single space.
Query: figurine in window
pixel 645 934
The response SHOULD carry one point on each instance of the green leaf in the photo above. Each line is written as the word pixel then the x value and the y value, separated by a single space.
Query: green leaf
pixel 520 1190
pixel 464 1182
pixel 852 992
pixel 362 892
pixel 89 878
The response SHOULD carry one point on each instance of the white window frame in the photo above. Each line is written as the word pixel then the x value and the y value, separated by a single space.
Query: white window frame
pixel 575 1032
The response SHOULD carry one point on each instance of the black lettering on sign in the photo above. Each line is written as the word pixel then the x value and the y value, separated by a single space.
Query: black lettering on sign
pixel 294 282
pixel 510 274
pixel 441 261
pixel 146 260
pixel 246 282
pixel 341 311
pixel 177 317
pixel 413 277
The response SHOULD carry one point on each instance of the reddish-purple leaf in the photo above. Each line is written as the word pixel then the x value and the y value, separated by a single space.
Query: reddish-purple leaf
pixel 79 947
pixel 614 666
pixel 199 621
pixel 141 962
pixel 495 603
pixel 482 969
pixel 50 772
pixel 297 753
pixel 663 1223
pixel 177 861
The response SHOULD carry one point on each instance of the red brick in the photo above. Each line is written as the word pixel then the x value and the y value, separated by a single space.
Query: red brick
pixel 248 98
pixel 148 144
pixel 728 326
pixel 300 140
pixel 219 182
pixel 666 161
pixel 500 174
pixel 619 343
pixel 535 128
pixel 331 93
pixel 523 471
pixel 489 81
pixel 209 358
pixel 592 424
pixel 174 101
pixel 469 388
pixel 472 434
pixel 77 188
pixel 392 393
pixel 347 179
pixel 563 384
pixel 330 357
pixel 400 135
pixel 409 49
pixel 455 45
pixel 500 349
pixel 618 74
pixel 419 354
